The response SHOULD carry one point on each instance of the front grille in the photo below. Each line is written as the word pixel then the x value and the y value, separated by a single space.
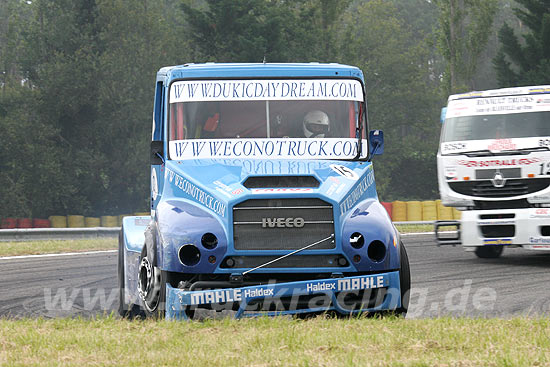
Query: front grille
pixel 497 216
pixel 296 261
pixel 261 182
pixel 498 231
pixel 488 174
pixel 282 224
pixel 485 188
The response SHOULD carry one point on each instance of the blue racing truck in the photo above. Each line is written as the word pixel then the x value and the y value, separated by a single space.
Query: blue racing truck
pixel 263 200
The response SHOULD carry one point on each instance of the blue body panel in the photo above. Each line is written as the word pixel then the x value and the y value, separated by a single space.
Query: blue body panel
pixel 191 197
pixel 182 218
pixel 227 71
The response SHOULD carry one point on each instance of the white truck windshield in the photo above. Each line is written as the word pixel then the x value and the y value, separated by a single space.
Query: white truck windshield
pixel 502 126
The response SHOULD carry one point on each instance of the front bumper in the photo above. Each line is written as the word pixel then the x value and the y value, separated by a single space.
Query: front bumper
pixel 368 293
pixel 512 227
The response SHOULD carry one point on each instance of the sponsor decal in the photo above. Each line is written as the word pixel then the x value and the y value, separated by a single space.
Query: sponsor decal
pixel 498 241
pixel 332 188
pixel 237 191
pixel 540 213
pixel 154 184
pixel 539 240
pixel 495 106
pixel 141 222
pixel 266 90
pixel 502 144
pixel 197 194
pixel 283 222
pixel 536 247
pixel 223 188
pixel 344 171
pixel 273 166
pixel 240 294
pixel 454 146
pixel 297 190
pixel 450 172
pixel 284 148
pixel 499 162
pixel 539 90
pixel 356 194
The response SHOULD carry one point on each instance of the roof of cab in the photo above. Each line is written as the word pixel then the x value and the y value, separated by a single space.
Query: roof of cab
pixel 259 70
pixel 514 91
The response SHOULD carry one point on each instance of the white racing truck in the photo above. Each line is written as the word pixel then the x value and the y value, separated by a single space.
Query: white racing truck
pixel 493 164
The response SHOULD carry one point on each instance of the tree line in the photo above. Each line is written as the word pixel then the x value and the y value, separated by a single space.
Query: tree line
pixel 77 80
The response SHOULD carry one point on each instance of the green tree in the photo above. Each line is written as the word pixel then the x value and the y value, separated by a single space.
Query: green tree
pixel 274 30
pixel 236 31
pixel 79 142
pixel 402 95
pixel 464 28
pixel 525 63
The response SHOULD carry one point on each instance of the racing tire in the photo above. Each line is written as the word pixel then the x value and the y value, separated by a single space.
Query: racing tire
pixel 152 288
pixel 404 281
pixel 489 252
pixel 124 310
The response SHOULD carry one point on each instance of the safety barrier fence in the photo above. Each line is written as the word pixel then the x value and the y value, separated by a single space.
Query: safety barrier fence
pixel 68 221
pixel 32 234
pixel 399 211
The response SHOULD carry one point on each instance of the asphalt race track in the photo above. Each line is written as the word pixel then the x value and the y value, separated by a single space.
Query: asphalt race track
pixel 446 281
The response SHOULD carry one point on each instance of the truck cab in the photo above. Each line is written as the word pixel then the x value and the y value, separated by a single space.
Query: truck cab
pixel 263 198
pixel 494 164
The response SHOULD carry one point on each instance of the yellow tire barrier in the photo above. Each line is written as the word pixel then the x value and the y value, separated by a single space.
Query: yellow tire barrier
pixel 75 221
pixel 109 221
pixel 444 212
pixel 457 214
pixel 143 214
pixel 399 211
pixel 429 210
pixel 58 221
pixel 414 211
pixel 92 222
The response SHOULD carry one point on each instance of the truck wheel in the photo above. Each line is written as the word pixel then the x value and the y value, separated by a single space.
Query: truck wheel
pixel 124 310
pixel 151 286
pixel 404 281
pixel 489 252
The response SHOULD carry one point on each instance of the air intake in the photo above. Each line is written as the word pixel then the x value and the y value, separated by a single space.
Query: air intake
pixel 262 182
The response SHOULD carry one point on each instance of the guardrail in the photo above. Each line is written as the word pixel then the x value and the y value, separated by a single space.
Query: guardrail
pixel 37 234
pixel 30 234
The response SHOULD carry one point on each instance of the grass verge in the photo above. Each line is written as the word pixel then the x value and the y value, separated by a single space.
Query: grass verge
pixel 52 247
pixel 277 342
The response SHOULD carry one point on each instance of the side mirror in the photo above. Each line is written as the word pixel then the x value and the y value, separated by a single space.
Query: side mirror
pixel 376 142
pixel 157 152
pixel 443 114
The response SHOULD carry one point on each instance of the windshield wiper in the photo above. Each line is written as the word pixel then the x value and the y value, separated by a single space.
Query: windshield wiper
pixel 535 149
pixel 487 152
pixel 476 153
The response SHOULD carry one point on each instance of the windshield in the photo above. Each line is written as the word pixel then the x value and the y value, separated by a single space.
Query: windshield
pixel 503 126
pixel 263 119
pixel 313 119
